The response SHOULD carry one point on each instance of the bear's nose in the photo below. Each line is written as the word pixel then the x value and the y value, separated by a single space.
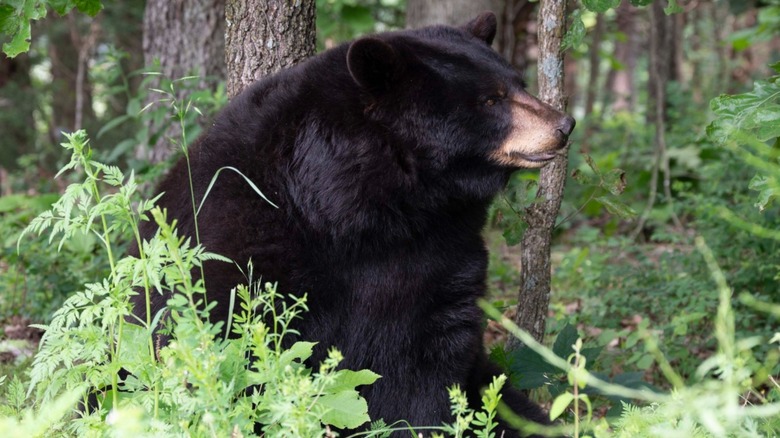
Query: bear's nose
pixel 566 125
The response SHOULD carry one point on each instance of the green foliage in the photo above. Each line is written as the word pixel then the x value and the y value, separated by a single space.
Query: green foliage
pixel 768 24
pixel 508 210
pixel 343 20
pixel 202 382
pixel 16 17
pixel 34 280
pixel 600 6
pixel 482 422
pixel 756 113
pixel 605 187
pixel 711 404
pixel 529 370
pixel 576 30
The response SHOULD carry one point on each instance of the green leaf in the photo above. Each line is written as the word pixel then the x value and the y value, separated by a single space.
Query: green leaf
pixel 592 164
pixel 349 380
pixel 640 3
pixel 756 112
pixel 62 7
pixel 563 343
pixel 529 370
pixel 20 42
pixel 7 22
pixel 560 404
pixel 616 207
pixel 299 351
pixel 89 7
pixel 766 187
pixel 514 228
pixel 134 351
pixel 600 6
pixel 645 362
pixel 583 178
pixel 576 32
pixel 615 181
pixel 16 23
pixel 346 409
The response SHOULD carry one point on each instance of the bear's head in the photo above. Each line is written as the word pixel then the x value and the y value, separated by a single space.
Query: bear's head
pixel 455 101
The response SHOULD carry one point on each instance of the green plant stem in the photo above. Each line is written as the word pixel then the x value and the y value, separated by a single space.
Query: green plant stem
pixel 666 368
pixel 148 303
pixel 185 150
pixel 724 322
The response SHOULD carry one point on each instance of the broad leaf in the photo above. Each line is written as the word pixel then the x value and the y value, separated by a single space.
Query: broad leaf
pixel 576 32
pixel 766 186
pixel 349 380
pixel 560 404
pixel 757 112
pixel 346 409
pixel 299 351
pixel 563 343
pixel 615 181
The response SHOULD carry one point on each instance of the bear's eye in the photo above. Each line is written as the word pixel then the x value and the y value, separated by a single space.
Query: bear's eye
pixel 494 99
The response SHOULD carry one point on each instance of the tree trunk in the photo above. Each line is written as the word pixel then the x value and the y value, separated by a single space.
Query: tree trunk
pixel 534 296
pixel 661 69
pixel 594 58
pixel 621 82
pixel 187 38
pixel 71 42
pixel 17 103
pixel 519 32
pixel 265 36
pixel 421 13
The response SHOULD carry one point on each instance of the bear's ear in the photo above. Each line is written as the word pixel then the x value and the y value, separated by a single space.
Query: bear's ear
pixel 483 27
pixel 373 64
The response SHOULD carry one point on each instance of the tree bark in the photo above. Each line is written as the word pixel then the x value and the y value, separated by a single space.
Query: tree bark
pixel 594 59
pixel 187 38
pixel 519 33
pixel 621 82
pixel 265 36
pixel 661 69
pixel 535 275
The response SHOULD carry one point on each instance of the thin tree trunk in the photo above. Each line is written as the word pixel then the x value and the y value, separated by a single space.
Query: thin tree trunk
pixel 421 13
pixel 187 37
pixel 534 295
pixel 594 58
pixel 697 74
pixel 621 82
pixel 660 71
pixel 519 33
pixel 85 43
pixel 17 104
pixel 265 36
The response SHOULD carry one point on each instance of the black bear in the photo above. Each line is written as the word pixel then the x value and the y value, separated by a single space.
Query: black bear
pixel 382 156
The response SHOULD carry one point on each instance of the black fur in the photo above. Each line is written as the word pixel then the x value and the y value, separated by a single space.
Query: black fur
pixel 382 178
